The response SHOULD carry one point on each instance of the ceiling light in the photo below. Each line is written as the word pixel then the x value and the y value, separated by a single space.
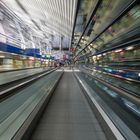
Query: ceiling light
pixel 130 48
pixel 2 56
pixel 120 50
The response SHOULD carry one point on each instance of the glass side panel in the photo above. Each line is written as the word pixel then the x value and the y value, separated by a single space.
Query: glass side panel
pixel 106 13
pixel 119 30
pixel 128 22
pixel 84 12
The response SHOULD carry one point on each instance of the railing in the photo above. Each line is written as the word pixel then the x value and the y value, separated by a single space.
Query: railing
pixel 11 41
pixel 116 104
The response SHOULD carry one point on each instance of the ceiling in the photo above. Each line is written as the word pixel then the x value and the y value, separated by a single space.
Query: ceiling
pixel 51 17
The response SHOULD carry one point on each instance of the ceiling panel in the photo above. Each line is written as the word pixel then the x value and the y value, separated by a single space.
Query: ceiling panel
pixel 55 17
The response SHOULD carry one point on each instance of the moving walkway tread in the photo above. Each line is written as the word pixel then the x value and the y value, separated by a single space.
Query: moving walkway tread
pixel 9 88
pixel 68 115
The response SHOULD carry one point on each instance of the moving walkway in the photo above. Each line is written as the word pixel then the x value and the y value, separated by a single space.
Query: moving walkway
pixel 67 104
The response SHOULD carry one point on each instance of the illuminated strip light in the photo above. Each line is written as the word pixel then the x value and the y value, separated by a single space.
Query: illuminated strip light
pixel 2 56
pixel 120 50
pixel 31 58
pixel 129 79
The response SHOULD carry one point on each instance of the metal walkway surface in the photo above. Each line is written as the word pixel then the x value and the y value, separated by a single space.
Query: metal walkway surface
pixel 68 115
